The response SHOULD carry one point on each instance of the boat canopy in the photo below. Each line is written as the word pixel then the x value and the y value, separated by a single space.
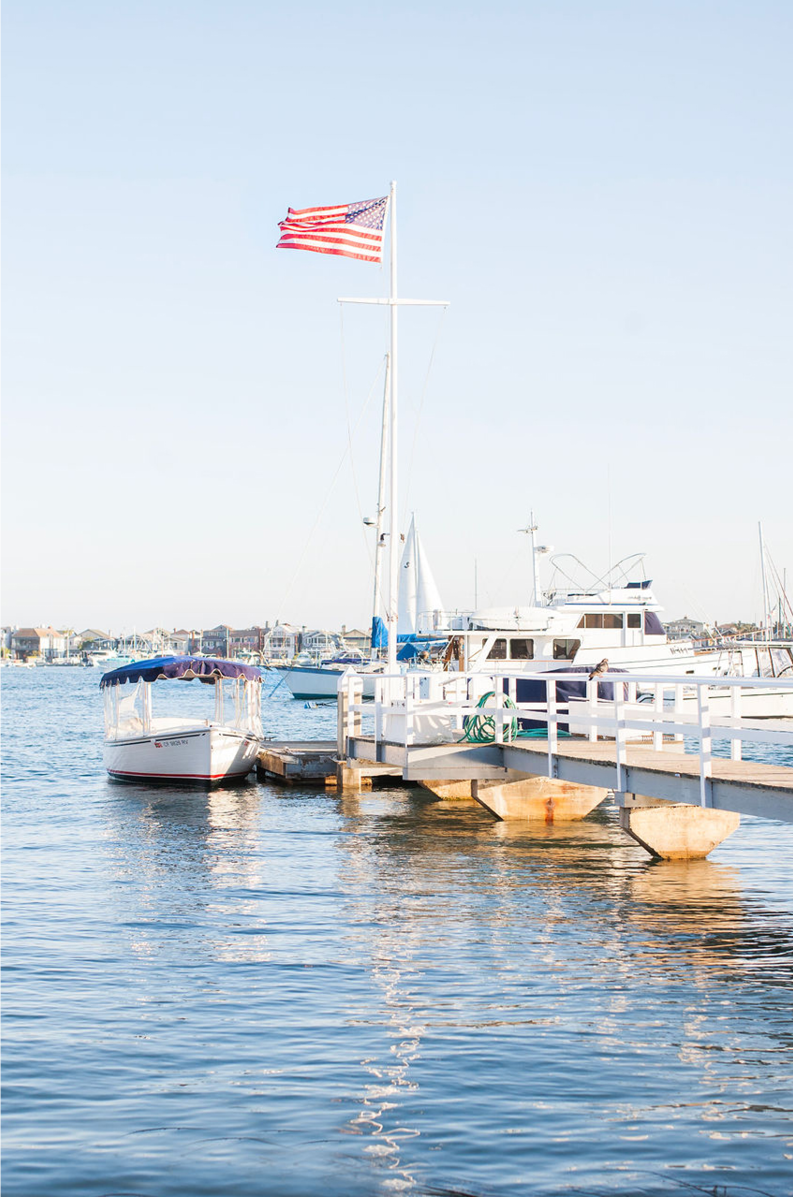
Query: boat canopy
pixel 421 646
pixel 207 669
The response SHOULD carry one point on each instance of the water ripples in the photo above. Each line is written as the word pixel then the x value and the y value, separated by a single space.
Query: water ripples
pixel 278 991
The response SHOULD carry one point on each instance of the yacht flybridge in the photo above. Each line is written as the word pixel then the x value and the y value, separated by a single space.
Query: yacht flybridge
pixel 140 746
pixel 620 623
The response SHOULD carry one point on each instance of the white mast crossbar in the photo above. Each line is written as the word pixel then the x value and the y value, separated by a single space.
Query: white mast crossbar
pixel 346 299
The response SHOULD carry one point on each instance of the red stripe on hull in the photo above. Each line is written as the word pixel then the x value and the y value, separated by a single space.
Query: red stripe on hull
pixel 177 777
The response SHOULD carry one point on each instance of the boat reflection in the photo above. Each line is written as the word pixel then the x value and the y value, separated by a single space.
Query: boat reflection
pixel 194 855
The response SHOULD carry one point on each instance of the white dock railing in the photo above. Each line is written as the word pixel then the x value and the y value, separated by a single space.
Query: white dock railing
pixel 425 708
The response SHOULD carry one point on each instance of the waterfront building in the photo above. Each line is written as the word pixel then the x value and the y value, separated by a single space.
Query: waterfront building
pixel 319 642
pixel 685 629
pixel 282 642
pixel 211 642
pixel 244 641
pixel 46 643
pixel 357 639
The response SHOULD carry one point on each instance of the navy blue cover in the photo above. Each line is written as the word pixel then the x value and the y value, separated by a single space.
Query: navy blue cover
pixel 653 625
pixel 418 645
pixel 379 633
pixel 209 668
pixel 531 689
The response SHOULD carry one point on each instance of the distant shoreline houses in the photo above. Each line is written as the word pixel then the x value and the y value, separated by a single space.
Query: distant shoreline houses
pixel 280 642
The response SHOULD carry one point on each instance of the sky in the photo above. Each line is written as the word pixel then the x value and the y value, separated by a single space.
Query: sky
pixel 601 190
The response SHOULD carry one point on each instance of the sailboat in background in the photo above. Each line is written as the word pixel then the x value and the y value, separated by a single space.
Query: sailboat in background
pixel 422 626
pixel 420 608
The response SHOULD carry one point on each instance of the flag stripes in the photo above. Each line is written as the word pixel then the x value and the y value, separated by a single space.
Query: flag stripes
pixel 350 230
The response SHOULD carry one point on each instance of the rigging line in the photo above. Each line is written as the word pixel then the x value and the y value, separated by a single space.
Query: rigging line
pixel 366 540
pixel 325 501
pixel 778 584
pixel 418 417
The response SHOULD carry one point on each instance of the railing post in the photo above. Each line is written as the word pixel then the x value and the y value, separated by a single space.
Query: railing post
pixel 378 716
pixel 678 709
pixel 658 713
pixel 592 701
pixel 736 744
pixel 341 715
pixel 553 728
pixel 498 700
pixel 353 709
pixel 619 735
pixel 410 700
pixel 705 743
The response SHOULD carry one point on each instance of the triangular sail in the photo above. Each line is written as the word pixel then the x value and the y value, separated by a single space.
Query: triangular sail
pixel 419 599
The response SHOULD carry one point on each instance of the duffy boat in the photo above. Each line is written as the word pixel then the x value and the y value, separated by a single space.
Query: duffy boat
pixel 140 746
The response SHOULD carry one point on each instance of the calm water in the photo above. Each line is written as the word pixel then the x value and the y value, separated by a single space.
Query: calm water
pixel 266 991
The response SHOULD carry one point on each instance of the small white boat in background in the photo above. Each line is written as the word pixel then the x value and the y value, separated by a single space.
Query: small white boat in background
pixel 109 659
pixel 322 681
pixel 140 746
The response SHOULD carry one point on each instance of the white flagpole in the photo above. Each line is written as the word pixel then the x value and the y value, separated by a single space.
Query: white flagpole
pixel 392 602
pixel 377 603
pixel 393 523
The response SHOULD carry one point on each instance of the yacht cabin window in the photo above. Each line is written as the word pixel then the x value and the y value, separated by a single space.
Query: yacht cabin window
pixel 516 649
pixel 564 649
pixel 634 619
pixel 597 619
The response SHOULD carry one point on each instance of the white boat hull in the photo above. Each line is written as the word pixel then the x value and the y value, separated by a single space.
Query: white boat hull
pixel 758 703
pixel 308 682
pixel 198 753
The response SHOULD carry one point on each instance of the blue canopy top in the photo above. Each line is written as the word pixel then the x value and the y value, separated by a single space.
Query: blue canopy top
pixel 205 668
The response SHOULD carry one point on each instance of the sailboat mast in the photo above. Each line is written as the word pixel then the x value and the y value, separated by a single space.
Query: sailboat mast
pixel 380 538
pixel 766 616
pixel 393 522
pixel 533 530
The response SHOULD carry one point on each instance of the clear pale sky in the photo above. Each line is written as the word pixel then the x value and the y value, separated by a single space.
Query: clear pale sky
pixel 603 192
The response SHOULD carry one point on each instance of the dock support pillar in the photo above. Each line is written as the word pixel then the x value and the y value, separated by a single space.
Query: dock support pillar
pixel 533 797
pixel 447 788
pixel 674 831
pixel 351 778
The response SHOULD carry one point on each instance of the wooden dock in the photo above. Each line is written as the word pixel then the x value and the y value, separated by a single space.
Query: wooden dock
pixel 746 787
pixel 298 761
pixel 317 763
pixel 457 737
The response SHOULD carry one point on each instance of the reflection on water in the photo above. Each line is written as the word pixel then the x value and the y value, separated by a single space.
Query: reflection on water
pixel 270 991
pixel 199 843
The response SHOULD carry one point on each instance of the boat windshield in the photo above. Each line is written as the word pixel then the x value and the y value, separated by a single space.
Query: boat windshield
pixel 125 709
pixel 237 704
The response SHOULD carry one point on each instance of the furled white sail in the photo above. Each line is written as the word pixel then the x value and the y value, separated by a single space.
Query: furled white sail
pixel 419 599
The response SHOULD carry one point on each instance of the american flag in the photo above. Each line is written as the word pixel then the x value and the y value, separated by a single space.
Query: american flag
pixel 352 230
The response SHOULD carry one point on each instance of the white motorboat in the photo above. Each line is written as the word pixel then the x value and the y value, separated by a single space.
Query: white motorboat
pixel 322 681
pixel 109 659
pixel 140 746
